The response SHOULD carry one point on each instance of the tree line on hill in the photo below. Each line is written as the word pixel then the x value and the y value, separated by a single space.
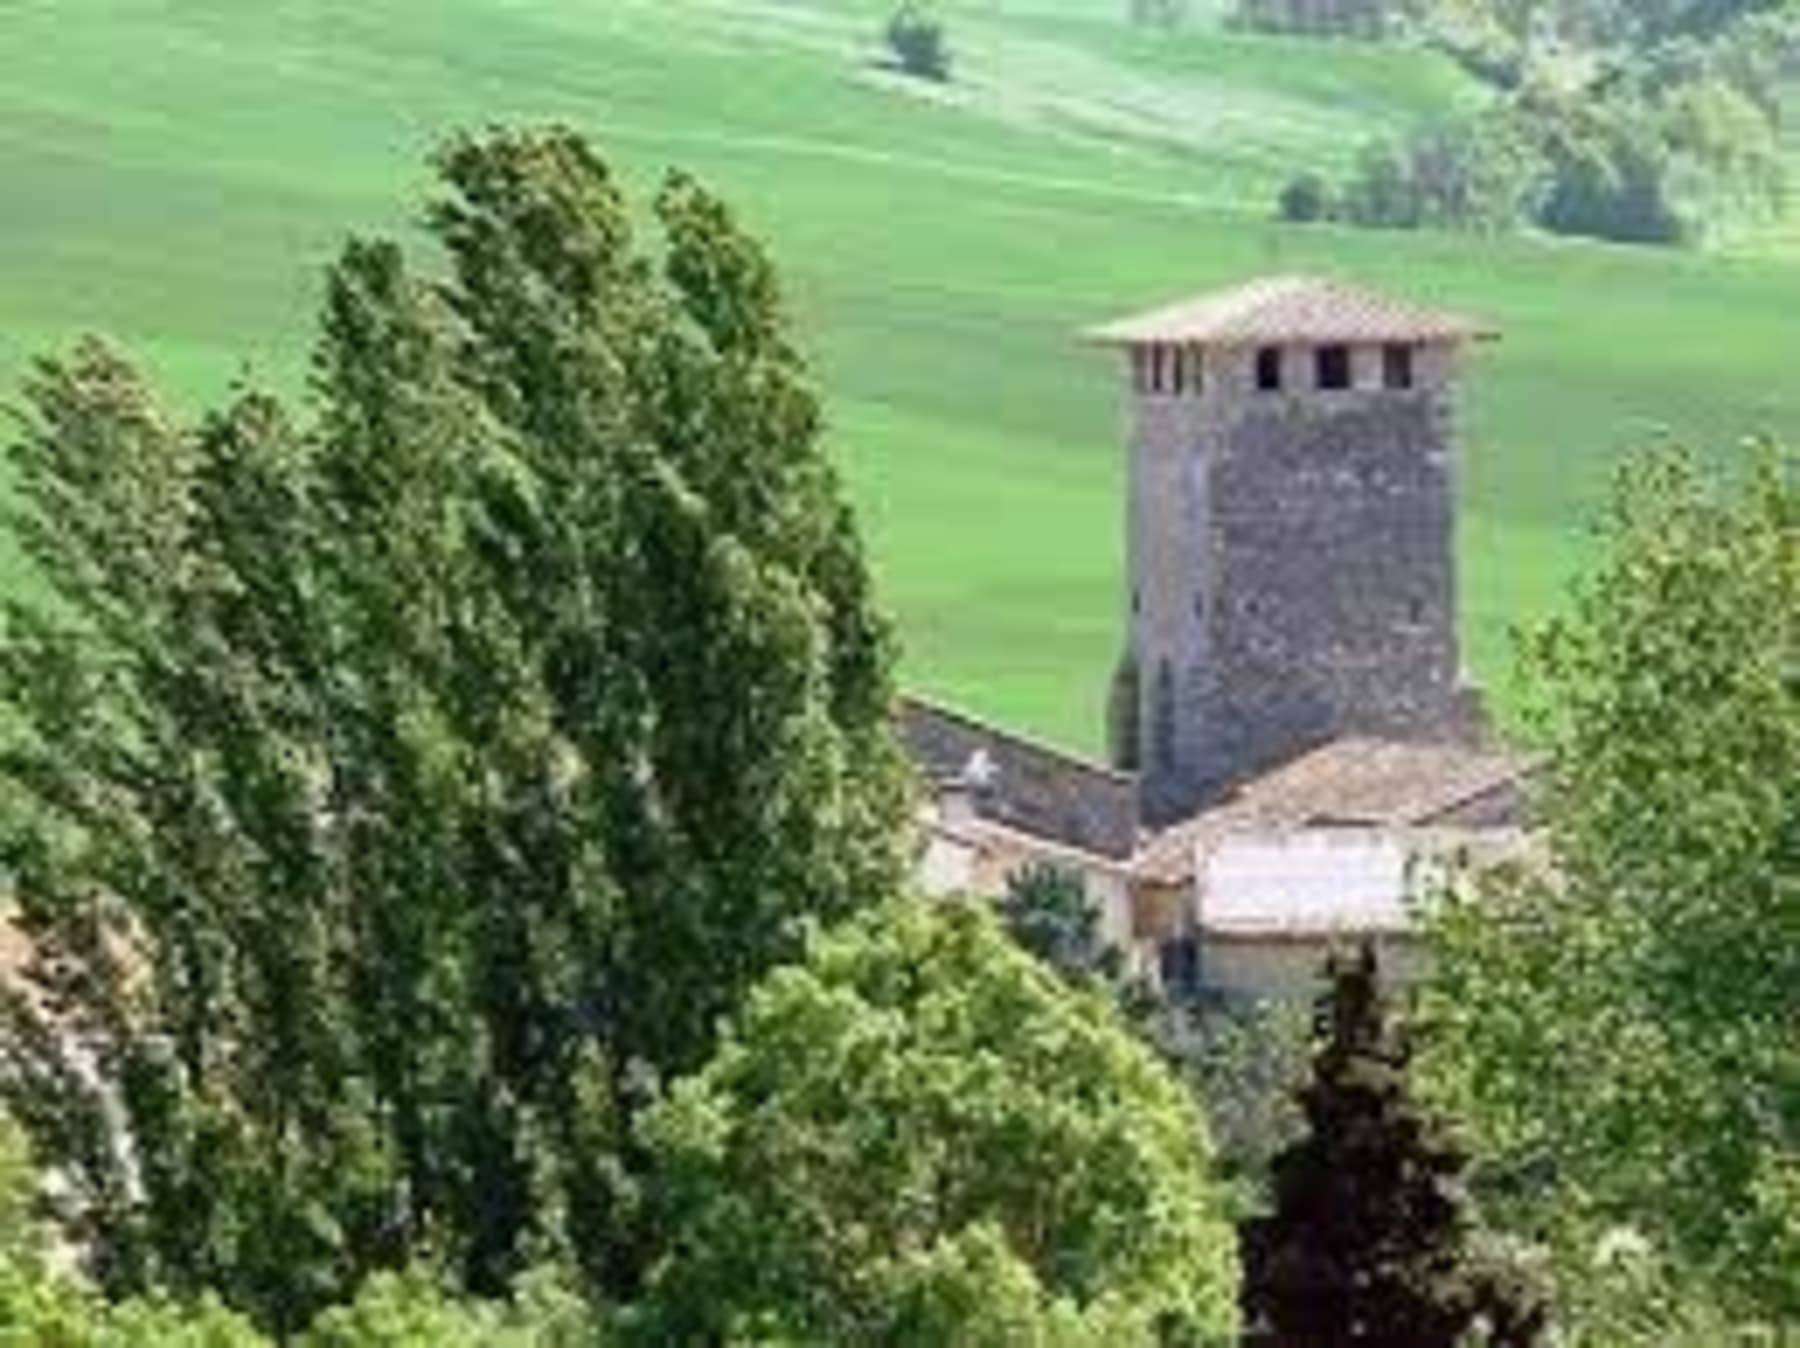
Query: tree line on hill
pixel 1642 123
pixel 463 849
pixel 1647 123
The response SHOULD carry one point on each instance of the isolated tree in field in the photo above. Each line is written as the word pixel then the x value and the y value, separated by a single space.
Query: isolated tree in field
pixel 1306 200
pixel 1370 1237
pixel 400 787
pixel 1618 1025
pixel 918 42
pixel 922 1136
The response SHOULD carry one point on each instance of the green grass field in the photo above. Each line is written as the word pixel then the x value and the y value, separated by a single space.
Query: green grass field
pixel 176 171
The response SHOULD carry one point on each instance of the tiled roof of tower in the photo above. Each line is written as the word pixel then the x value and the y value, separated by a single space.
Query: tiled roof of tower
pixel 1290 309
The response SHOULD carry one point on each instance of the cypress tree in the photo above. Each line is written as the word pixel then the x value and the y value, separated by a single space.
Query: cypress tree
pixel 1370 1236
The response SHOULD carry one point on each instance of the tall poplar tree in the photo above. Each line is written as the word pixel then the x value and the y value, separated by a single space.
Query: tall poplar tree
pixel 399 787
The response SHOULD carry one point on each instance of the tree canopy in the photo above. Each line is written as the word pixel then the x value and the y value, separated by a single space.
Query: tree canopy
pixel 1617 1023
pixel 1372 1237
pixel 1638 122
pixel 924 1136
pixel 400 786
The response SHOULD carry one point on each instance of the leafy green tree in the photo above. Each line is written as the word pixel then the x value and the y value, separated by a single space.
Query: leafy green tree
pixel 1370 1240
pixel 918 42
pixel 1046 909
pixel 1246 1065
pixel 1306 200
pixel 1616 1024
pixel 1483 174
pixel 923 1136
pixel 1243 1063
pixel 412 1309
pixel 42 1304
pixel 1382 193
pixel 1650 122
pixel 401 787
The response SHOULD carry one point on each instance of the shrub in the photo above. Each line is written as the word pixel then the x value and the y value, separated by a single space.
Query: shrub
pixel 1306 199
pixel 918 43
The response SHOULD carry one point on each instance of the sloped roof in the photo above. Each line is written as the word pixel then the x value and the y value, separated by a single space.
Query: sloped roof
pixel 980 832
pixel 1352 782
pixel 1029 785
pixel 1291 309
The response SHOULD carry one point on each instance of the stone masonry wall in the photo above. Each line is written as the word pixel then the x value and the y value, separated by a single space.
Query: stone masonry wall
pixel 1292 563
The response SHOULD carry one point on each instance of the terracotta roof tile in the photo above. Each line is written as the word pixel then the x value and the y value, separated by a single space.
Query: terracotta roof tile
pixel 1291 309
pixel 1359 783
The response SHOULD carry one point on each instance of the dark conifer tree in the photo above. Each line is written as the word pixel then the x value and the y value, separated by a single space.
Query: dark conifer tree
pixel 1369 1239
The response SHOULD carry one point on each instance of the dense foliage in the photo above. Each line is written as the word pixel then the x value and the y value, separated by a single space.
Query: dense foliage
pixel 1243 1063
pixel 1617 1025
pixel 1372 1237
pixel 42 1305
pixel 918 42
pixel 399 789
pixel 1047 910
pixel 923 1136
pixel 1481 174
pixel 1640 123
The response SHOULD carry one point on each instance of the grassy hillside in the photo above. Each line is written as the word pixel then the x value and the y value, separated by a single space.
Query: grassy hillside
pixel 176 170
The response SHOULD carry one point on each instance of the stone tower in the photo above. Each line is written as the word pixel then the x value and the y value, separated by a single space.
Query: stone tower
pixel 1291 526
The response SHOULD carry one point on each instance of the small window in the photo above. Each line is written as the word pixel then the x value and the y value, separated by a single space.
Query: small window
pixel 1178 371
pixel 1196 363
pixel 1268 369
pixel 1159 369
pixel 1397 365
pixel 1415 611
pixel 1334 367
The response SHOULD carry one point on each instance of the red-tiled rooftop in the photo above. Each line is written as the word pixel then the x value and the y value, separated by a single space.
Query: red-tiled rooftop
pixel 1353 783
pixel 1280 309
